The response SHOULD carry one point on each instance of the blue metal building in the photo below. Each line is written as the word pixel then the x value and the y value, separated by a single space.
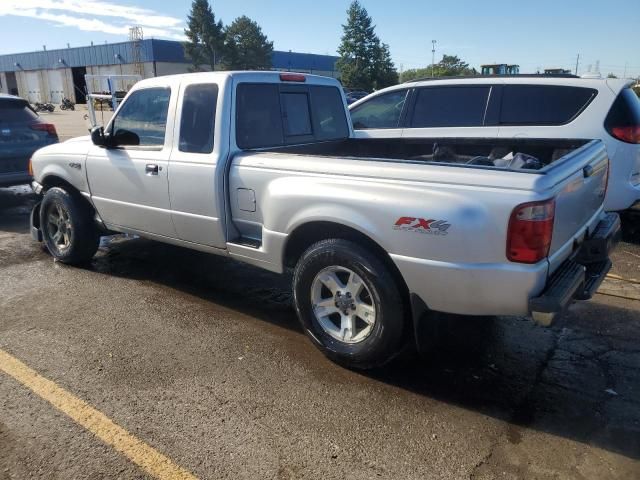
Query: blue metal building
pixel 49 75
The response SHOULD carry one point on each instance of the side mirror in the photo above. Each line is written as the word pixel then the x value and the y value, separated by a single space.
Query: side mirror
pixel 124 137
pixel 97 136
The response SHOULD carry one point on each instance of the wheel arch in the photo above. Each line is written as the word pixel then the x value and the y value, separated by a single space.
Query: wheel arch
pixel 52 180
pixel 312 232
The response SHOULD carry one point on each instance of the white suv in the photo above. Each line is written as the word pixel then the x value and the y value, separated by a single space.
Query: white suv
pixel 521 106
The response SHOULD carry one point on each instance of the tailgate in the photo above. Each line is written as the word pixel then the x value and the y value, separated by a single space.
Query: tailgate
pixel 581 186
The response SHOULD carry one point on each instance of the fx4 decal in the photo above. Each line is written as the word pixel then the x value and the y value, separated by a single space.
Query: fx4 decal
pixel 420 225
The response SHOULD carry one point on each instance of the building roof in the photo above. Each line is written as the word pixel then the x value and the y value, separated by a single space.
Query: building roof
pixel 150 50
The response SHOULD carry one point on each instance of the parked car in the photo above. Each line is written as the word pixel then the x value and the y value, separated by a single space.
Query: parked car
pixel 263 167
pixel 516 107
pixel 355 95
pixel 22 132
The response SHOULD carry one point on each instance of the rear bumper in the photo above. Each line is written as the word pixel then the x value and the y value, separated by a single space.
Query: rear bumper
pixel 579 277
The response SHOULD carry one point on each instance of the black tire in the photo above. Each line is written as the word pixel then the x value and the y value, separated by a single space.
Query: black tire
pixel 384 341
pixel 80 236
pixel 72 107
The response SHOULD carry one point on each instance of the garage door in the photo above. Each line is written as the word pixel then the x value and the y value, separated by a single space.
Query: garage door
pixel 56 85
pixel 33 86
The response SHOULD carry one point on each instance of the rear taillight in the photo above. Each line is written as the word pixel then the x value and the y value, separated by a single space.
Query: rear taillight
pixel 629 134
pixel 530 231
pixel 50 128
pixel 292 77
pixel 30 167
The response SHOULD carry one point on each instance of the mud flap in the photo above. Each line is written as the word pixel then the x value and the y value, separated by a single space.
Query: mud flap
pixel 36 233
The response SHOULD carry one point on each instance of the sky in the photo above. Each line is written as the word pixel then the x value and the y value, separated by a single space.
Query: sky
pixel 535 34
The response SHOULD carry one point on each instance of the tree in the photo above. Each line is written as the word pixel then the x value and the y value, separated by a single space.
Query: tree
pixel 204 34
pixel 246 47
pixel 385 71
pixel 364 62
pixel 611 75
pixel 449 66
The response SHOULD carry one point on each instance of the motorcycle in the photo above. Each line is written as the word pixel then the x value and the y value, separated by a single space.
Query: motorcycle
pixel 44 107
pixel 67 104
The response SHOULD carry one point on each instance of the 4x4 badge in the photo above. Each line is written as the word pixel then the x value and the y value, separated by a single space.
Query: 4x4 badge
pixel 421 225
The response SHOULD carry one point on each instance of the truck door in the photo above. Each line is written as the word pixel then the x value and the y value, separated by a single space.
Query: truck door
pixel 128 183
pixel 195 195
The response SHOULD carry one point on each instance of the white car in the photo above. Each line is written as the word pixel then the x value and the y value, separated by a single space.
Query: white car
pixel 534 106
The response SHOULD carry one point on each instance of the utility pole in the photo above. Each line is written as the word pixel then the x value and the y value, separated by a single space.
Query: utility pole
pixel 577 63
pixel 433 57
pixel 625 70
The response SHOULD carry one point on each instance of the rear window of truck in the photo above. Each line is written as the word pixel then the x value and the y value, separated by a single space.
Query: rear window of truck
pixel 271 115
pixel 543 104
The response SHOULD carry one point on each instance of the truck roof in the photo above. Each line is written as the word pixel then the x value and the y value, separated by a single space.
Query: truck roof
pixel 260 76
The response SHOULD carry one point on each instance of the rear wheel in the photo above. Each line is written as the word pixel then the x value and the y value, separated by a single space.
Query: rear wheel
pixel 349 304
pixel 67 227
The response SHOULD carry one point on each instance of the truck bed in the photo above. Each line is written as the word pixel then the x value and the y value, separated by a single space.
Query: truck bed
pixel 515 154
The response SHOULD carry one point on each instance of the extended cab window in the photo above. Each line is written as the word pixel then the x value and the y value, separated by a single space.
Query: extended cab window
pixel 143 115
pixel 463 106
pixel 382 111
pixel 270 115
pixel 543 104
pixel 197 122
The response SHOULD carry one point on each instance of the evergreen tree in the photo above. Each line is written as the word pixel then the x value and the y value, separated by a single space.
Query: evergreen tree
pixel 364 63
pixel 385 71
pixel 205 36
pixel 246 47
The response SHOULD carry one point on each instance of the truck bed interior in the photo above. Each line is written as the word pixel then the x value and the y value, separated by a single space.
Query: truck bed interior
pixel 509 153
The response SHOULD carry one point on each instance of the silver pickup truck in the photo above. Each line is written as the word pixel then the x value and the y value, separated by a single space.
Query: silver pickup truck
pixel 263 167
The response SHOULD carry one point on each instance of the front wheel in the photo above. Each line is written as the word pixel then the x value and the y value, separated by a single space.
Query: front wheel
pixel 67 227
pixel 349 304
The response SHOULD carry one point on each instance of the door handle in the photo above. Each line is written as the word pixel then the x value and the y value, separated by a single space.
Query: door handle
pixel 151 169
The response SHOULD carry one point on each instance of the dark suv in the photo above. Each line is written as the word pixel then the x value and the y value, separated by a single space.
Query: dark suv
pixel 22 132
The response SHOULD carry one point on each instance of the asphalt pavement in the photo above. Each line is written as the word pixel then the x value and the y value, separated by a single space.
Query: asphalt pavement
pixel 202 358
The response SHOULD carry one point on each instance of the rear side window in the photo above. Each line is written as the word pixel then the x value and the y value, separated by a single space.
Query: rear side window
pixel 625 111
pixel 197 123
pixel 382 111
pixel 16 111
pixel 450 107
pixel 269 115
pixel 543 104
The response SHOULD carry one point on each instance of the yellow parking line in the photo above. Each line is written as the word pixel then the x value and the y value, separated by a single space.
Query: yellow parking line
pixel 148 458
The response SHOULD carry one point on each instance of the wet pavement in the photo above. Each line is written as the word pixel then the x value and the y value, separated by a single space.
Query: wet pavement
pixel 202 358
